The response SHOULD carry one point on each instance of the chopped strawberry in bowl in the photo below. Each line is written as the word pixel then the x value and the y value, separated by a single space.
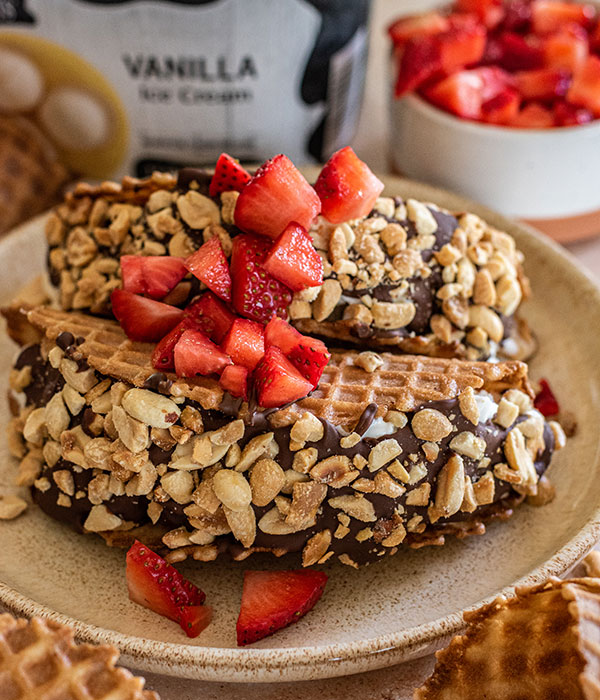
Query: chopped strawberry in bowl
pixel 510 125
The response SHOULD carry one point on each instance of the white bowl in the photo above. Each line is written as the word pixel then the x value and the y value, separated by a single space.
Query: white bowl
pixel 534 174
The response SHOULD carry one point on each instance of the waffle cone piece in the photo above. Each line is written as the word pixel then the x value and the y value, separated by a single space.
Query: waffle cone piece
pixel 541 644
pixel 31 177
pixel 39 660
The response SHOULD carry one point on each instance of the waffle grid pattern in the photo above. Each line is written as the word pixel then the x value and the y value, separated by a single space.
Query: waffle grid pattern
pixel 30 177
pixel 40 661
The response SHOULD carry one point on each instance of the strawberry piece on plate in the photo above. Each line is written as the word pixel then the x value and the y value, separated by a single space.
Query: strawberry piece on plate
pixel 162 357
pixel 272 600
pixel 346 187
pixel 310 356
pixel 543 84
pixel 420 25
pixel 196 355
pixel 156 585
pixel 502 109
pixel 585 88
pixel 245 342
pixel 256 294
pixel 210 316
pixel 490 12
pixel 294 261
pixel 228 176
pixel 283 336
pixel 419 62
pixel 551 16
pixel 277 381
pixel 277 195
pixel 567 49
pixel 234 379
pixel 464 93
pixel 209 265
pixel 143 319
pixel 566 114
pixel 545 401
pixel 151 275
pixel 533 116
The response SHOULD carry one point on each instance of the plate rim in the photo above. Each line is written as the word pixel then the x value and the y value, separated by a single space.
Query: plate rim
pixel 325 661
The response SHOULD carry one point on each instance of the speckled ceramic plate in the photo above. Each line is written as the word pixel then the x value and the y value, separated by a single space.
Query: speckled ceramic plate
pixel 375 617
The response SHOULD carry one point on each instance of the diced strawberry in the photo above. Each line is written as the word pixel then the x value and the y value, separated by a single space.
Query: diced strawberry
pixel 567 49
pixel 420 61
pixel 310 356
pixel 143 319
pixel 272 600
pixel 277 381
pixel 209 265
pixel 245 342
pixel 566 114
pixel 464 93
pixel 545 401
pixel 347 187
pixel 518 53
pixel 585 88
pixel 551 15
pixel 277 195
pixel 283 336
pixel 234 379
pixel 533 116
pixel 594 38
pixel 196 355
pixel 158 586
pixel 162 357
pixel 490 12
pixel 229 175
pixel 517 17
pixel 462 46
pixel 211 316
pixel 543 84
pixel 503 108
pixel 151 275
pixel 294 261
pixel 256 294
pixel 425 24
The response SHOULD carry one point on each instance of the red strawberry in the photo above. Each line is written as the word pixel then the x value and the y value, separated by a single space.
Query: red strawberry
pixel 545 401
pixel 256 294
pixel 277 195
pixel 272 600
pixel 550 16
pixel 283 336
pixel 195 354
pixel 425 24
pixel 277 381
pixel 245 343
pixel 143 319
pixel 229 175
pixel 310 357
pixel 294 261
pixel 585 89
pixel 518 15
pixel 464 93
pixel 151 275
pixel 160 587
pixel 533 116
pixel 503 108
pixel 162 357
pixel 211 316
pixel 209 265
pixel 234 379
pixel 543 84
pixel 347 187
pixel 490 12
pixel 567 49
pixel 419 62
pixel 461 46
pixel 517 53
pixel 566 114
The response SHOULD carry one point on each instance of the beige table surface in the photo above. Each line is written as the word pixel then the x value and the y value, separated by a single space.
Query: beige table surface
pixel 394 683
